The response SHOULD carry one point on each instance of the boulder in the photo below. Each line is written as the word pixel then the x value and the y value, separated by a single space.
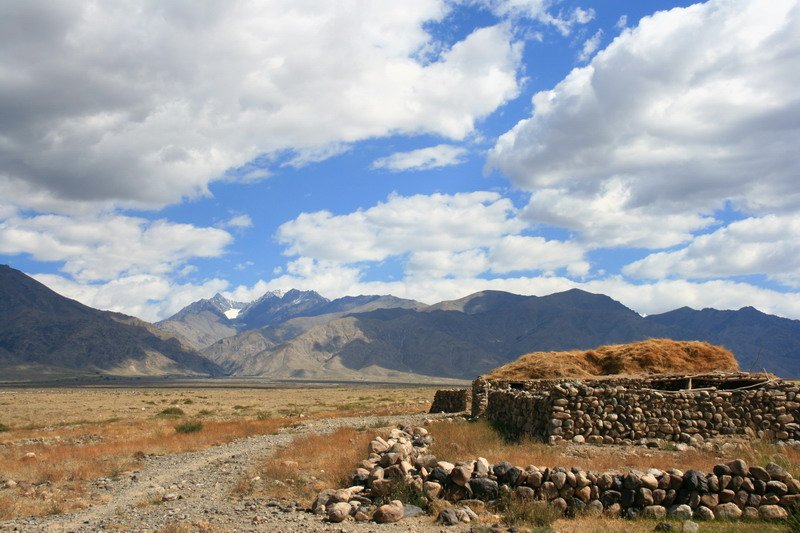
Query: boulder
pixel 681 512
pixel 728 511
pixel 339 511
pixel 654 511
pixel 704 513
pixel 389 513
pixel 484 488
pixel 460 475
pixel 738 467
pixel 773 512
pixel 690 527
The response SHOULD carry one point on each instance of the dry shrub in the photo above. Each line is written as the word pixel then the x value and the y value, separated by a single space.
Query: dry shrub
pixel 466 441
pixel 761 453
pixel 653 356
pixel 189 427
pixel 42 502
pixel 518 511
pixel 314 462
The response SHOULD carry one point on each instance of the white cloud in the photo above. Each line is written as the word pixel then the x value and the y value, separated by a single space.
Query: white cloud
pixel 147 297
pixel 590 46
pixel 238 222
pixel 692 108
pixel 447 263
pixel 144 104
pixel 767 245
pixel 516 253
pixel 442 155
pixel 107 246
pixel 606 218
pixel 622 22
pixel 434 237
pixel 400 225
pixel 542 11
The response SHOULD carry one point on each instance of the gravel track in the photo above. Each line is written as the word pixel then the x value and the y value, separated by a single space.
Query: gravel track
pixel 204 481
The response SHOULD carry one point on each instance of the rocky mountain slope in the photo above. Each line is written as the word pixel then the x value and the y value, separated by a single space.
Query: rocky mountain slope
pixel 42 329
pixel 463 338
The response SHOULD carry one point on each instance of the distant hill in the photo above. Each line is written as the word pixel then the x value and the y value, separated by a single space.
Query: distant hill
pixel 759 341
pixel 301 334
pixel 40 328
pixel 472 335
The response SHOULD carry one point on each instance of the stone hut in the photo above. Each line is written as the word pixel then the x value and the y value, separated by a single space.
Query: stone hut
pixel 626 410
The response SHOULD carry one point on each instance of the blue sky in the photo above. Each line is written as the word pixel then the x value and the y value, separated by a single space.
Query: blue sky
pixel 154 154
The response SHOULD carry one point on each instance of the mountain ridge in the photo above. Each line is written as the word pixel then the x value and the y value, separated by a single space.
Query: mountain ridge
pixel 306 336
pixel 40 327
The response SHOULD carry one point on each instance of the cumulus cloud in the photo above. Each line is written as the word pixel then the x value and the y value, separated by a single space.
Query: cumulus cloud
pixel 144 104
pixel 435 236
pixel 109 246
pixel 419 223
pixel 767 245
pixel 148 297
pixel 519 253
pixel 442 155
pixel 606 219
pixel 690 109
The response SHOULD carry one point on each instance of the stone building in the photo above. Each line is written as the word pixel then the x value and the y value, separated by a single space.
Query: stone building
pixel 624 410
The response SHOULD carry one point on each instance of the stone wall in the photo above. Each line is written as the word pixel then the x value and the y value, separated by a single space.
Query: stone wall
pixel 450 401
pixel 480 397
pixel 730 491
pixel 626 411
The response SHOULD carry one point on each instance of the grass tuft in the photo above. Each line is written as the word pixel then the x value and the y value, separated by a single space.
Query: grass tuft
pixel 4 428
pixel 522 511
pixel 172 411
pixel 189 427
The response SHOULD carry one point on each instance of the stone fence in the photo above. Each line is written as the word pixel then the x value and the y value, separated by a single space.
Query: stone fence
pixel 730 491
pixel 450 401
pixel 627 411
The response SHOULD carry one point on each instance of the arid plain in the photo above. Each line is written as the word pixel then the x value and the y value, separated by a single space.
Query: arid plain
pixel 122 458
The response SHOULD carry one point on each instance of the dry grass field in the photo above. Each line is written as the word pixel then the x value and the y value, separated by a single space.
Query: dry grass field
pixel 80 435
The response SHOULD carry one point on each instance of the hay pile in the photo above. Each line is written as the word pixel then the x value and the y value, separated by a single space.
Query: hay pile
pixel 653 356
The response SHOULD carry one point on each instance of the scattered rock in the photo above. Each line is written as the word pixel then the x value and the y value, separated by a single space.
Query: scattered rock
pixel 339 511
pixel 690 527
pixel 389 513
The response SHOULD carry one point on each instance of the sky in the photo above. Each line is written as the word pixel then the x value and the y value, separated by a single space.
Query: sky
pixel 155 153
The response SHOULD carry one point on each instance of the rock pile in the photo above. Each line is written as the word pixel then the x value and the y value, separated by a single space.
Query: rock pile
pixel 609 412
pixel 450 401
pixel 392 467
pixel 401 466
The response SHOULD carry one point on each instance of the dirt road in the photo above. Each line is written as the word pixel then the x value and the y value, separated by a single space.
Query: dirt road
pixel 202 483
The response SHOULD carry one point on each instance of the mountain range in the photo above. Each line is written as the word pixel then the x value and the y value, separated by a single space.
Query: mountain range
pixel 42 332
pixel 302 335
